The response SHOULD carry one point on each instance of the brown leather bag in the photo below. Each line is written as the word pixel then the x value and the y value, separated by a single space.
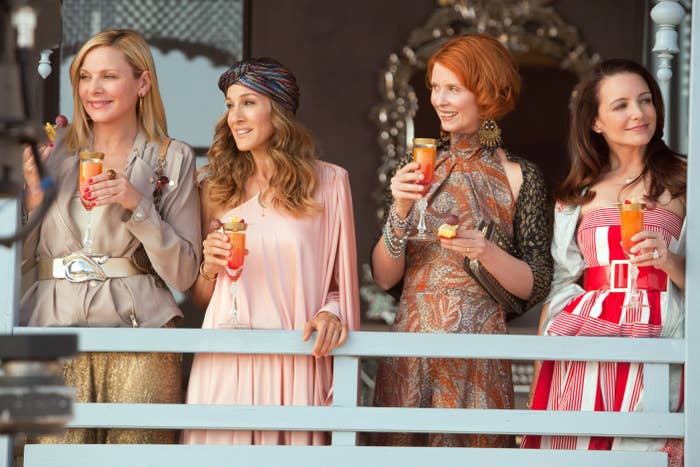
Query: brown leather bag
pixel 512 305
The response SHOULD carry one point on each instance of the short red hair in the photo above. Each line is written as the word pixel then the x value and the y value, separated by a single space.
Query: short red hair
pixel 485 67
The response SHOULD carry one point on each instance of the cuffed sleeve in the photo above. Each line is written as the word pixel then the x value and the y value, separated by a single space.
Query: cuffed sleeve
pixel 172 237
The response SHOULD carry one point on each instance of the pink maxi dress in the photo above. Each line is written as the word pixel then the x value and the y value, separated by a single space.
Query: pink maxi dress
pixel 295 268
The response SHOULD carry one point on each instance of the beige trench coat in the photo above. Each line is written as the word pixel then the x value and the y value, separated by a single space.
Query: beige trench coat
pixel 171 238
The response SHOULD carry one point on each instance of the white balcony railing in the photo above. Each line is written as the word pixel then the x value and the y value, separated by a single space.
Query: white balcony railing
pixel 344 419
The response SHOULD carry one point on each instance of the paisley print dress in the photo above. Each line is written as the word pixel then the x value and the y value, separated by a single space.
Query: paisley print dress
pixel 440 297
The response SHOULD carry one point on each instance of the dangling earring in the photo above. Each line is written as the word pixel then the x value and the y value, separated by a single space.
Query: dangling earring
pixel 140 108
pixel 490 135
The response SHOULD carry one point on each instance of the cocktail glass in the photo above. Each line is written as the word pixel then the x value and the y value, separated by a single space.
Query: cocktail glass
pixel 90 166
pixel 234 268
pixel 631 223
pixel 424 152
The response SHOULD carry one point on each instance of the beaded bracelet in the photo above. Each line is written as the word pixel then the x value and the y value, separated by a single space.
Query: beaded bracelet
pixel 395 246
pixel 205 275
pixel 396 222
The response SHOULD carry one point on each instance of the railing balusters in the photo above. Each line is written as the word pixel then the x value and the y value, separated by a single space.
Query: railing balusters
pixel 656 387
pixel 346 373
pixel 345 418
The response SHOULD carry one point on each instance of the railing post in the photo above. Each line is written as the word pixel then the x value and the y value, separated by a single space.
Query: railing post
pixel 667 14
pixel 346 372
pixel 9 292
pixel 656 390
pixel 692 270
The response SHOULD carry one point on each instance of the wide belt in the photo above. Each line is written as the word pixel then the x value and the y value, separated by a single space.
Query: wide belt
pixel 616 278
pixel 78 267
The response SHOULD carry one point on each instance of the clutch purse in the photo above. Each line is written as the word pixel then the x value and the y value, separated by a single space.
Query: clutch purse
pixel 512 305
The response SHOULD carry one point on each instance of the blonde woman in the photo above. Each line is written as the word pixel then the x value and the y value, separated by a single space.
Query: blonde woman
pixel 300 271
pixel 142 205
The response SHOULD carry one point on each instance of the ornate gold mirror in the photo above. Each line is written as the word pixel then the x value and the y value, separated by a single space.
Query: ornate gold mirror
pixel 550 56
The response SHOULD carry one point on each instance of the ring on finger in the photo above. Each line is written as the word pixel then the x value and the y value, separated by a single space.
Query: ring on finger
pixel 655 254
pixel 111 174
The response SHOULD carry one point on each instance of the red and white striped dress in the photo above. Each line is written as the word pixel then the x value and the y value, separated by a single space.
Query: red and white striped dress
pixel 601 386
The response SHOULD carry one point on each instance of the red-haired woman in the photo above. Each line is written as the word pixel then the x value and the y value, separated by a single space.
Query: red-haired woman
pixel 473 82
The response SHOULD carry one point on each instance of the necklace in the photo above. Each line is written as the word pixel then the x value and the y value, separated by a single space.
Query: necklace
pixel 630 180
pixel 261 192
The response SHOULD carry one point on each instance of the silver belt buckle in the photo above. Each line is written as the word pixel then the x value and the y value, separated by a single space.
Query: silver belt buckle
pixel 78 267
pixel 613 276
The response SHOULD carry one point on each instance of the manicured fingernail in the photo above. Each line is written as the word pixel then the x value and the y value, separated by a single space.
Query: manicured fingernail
pixel 89 180
pixel 88 196
pixel 93 204
pixel 87 189
pixel 50 145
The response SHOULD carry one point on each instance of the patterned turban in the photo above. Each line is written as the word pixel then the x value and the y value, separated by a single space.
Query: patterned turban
pixel 266 76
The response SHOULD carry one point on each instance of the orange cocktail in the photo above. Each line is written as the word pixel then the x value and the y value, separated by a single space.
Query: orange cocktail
pixel 424 152
pixel 631 222
pixel 90 166
pixel 235 230
pixel 237 255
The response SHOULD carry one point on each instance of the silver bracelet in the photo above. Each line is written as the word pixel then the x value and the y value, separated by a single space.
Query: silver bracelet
pixel 395 246
pixel 396 222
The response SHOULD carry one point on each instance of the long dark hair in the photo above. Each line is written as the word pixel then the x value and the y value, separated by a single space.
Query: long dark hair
pixel 590 154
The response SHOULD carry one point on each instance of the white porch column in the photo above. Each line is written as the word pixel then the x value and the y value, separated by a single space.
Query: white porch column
pixel 667 14
pixel 692 293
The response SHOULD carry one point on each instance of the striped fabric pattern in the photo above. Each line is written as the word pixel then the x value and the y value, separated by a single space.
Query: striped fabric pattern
pixel 601 386
pixel 266 76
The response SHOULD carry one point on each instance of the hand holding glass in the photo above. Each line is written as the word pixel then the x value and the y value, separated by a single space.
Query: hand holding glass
pixel 90 166
pixel 234 268
pixel 424 152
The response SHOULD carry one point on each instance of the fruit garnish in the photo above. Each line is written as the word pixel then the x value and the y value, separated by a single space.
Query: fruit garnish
pixel 447 231
pixel 451 219
pixel 236 225
pixel 50 131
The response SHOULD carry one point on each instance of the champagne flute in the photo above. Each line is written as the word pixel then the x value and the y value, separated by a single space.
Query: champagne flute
pixel 235 230
pixel 631 223
pixel 424 152
pixel 90 166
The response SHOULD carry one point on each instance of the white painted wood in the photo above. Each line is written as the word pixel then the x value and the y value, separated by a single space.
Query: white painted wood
pixel 360 419
pixel 692 266
pixel 6 451
pixel 324 456
pixel 364 344
pixel 10 213
pixel 656 389
pixel 667 14
pixel 346 379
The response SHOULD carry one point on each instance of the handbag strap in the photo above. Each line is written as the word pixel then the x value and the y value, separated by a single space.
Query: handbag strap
pixel 158 178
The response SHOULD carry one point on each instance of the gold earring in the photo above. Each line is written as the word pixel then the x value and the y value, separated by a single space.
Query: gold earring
pixel 490 135
pixel 140 109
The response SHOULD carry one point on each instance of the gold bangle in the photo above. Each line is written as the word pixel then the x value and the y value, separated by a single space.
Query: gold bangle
pixel 205 275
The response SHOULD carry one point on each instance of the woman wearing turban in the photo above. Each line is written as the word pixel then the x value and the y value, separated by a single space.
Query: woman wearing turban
pixel 300 269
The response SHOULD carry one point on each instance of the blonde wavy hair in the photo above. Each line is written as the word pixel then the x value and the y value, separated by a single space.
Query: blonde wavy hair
pixel 292 153
pixel 150 118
